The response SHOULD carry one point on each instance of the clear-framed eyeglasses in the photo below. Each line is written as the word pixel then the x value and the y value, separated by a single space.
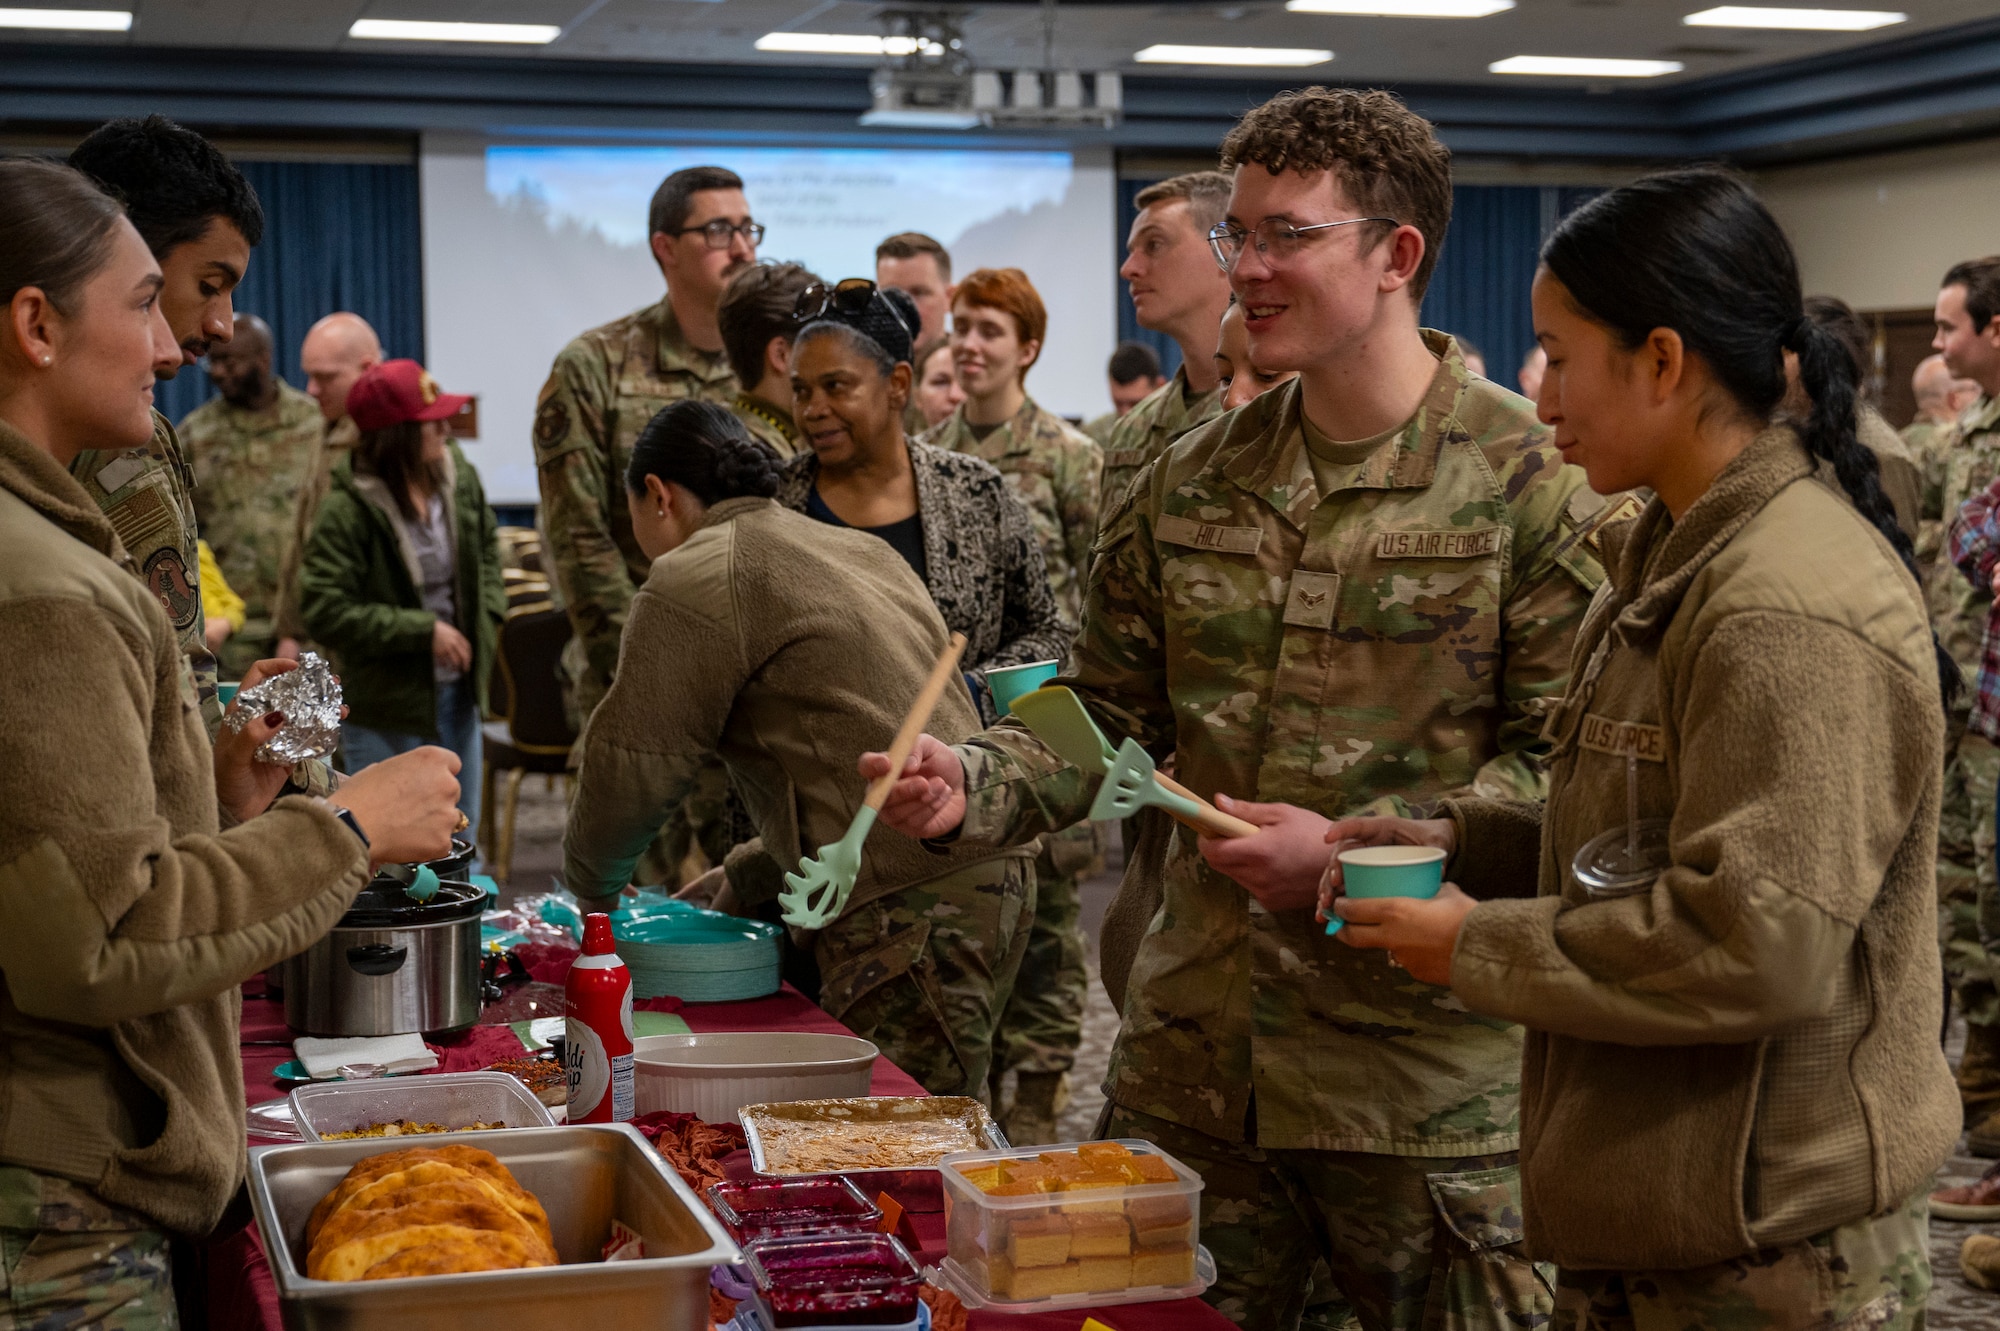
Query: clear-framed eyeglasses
pixel 1277 240
pixel 718 234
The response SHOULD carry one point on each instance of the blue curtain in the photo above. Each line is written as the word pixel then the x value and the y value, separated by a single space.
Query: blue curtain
pixel 1480 288
pixel 337 236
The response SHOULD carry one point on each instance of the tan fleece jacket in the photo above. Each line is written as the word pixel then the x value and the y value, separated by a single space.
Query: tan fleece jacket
pixel 126 920
pixel 1746 1054
pixel 789 648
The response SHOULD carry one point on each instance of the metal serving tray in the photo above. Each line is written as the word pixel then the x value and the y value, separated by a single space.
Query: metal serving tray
pixel 585 1176
pixel 915 1187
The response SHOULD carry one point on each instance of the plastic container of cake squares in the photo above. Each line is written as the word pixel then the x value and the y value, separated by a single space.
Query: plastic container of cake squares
pixel 767 1208
pixel 1081 1225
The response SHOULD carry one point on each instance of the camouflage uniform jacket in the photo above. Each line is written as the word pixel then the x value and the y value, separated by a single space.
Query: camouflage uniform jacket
pixel 1143 433
pixel 1396 640
pixel 337 440
pixel 605 385
pixel 1098 428
pixel 1959 609
pixel 148 495
pixel 1055 470
pixel 250 467
pixel 767 425
pixel 1929 442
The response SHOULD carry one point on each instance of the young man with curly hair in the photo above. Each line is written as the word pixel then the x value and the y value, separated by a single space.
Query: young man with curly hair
pixel 1357 591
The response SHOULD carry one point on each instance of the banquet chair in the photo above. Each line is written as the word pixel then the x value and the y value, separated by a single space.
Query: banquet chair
pixel 531 730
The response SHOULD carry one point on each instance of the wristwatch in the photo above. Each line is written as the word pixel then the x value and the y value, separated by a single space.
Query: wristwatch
pixel 346 815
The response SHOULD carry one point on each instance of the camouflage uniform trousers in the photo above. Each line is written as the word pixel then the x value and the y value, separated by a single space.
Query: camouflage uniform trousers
pixel 1968 890
pixel 925 971
pixel 1043 1024
pixel 1414 1243
pixel 1872 1275
pixel 68 1260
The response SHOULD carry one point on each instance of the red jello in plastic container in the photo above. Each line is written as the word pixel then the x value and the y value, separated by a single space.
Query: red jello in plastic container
pixel 765 1208
pixel 835 1280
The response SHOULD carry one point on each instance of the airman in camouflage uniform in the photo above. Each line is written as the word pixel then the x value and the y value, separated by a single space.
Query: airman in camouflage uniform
pixel 606 384
pixel 70 1260
pixel 337 440
pixel 1144 432
pixel 1098 428
pixel 774 428
pixel 148 495
pixel 1966 877
pixel 250 466
pixel 1055 469
pixel 1878 1271
pixel 1333 631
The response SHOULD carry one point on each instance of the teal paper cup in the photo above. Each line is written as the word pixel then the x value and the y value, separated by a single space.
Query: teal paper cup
pixel 1388 871
pixel 1010 682
pixel 227 692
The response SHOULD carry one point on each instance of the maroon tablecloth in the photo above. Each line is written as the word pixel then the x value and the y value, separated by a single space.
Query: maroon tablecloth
pixel 243 1296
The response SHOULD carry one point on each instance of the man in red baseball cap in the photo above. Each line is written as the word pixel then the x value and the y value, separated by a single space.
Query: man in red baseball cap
pixel 400 580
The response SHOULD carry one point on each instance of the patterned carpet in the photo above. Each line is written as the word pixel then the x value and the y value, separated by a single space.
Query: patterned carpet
pixel 1955 1305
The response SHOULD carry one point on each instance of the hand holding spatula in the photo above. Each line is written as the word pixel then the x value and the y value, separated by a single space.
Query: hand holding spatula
pixel 818 892
pixel 1058 718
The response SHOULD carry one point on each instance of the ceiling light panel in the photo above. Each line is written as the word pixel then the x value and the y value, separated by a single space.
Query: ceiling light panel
pixel 1795 20
pixel 417 30
pixel 1584 67
pixel 844 43
pixel 1288 57
pixel 68 20
pixel 1402 8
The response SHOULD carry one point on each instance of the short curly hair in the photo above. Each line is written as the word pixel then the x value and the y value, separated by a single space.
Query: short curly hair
pixel 1388 158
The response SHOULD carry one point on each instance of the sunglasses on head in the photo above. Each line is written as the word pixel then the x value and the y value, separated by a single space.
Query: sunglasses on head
pixel 851 296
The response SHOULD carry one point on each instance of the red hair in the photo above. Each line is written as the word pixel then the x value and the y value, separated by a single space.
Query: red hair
pixel 1009 291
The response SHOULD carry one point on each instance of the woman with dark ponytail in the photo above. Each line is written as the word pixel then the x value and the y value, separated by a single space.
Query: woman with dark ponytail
pixel 1732 1097
pixel 786 648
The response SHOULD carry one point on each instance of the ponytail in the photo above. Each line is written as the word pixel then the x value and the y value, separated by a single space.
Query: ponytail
pixel 1695 251
pixel 705 449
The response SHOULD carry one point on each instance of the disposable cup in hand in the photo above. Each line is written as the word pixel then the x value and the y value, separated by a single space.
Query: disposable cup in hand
pixel 1007 683
pixel 1388 871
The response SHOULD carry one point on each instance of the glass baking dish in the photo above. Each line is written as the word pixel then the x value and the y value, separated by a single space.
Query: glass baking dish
pixel 835 1280
pixel 764 1208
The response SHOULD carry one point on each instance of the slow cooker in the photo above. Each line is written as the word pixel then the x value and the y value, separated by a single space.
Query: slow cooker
pixel 392 965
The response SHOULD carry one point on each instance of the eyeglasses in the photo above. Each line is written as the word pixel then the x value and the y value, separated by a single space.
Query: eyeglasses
pixel 721 231
pixel 851 296
pixel 1277 239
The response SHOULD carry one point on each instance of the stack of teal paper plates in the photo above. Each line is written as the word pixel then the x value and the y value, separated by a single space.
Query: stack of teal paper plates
pixel 699 956
pixel 675 949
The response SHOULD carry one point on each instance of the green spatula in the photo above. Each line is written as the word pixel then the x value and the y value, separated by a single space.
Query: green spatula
pixel 1059 720
pixel 818 892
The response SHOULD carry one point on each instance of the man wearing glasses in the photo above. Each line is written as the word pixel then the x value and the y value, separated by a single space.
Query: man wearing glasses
pixel 1358 591
pixel 606 384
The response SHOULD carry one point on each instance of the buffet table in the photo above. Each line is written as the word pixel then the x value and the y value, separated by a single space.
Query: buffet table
pixel 242 1296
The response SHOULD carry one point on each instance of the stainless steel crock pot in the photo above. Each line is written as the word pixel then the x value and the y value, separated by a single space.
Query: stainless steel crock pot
pixel 453 868
pixel 391 965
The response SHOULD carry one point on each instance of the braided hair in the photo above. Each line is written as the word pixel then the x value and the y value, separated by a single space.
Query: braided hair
pixel 1694 250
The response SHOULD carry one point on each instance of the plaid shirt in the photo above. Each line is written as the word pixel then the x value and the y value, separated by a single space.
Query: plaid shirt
pixel 1974 546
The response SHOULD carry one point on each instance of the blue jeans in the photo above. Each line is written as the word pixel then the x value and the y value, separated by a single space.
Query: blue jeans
pixel 458 730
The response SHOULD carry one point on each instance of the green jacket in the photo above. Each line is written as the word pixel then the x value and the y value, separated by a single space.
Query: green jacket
pixel 359 591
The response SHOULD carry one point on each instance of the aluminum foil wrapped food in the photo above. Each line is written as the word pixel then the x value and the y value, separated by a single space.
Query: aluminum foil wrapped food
pixel 309 697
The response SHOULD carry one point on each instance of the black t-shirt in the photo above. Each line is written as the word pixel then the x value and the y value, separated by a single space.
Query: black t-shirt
pixel 906 538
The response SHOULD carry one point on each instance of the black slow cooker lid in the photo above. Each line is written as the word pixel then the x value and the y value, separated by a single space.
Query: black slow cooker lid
pixel 383 904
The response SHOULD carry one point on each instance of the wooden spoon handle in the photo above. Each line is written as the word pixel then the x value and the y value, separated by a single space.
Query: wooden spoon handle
pixel 919 717
pixel 1210 820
